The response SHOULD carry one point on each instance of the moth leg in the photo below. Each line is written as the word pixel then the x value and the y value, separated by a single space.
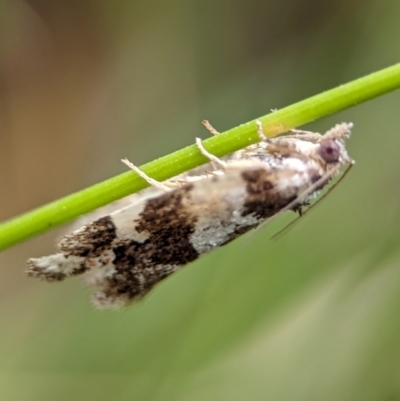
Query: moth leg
pixel 339 131
pixel 260 132
pixel 310 136
pixel 207 154
pixel 209 127
pixel 151 181
pixel 213 131
pixel 300 132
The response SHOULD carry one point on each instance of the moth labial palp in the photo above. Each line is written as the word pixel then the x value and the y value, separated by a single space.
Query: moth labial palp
pixel 125 253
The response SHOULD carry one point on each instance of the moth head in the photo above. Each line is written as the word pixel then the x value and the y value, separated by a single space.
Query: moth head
pixel 332 147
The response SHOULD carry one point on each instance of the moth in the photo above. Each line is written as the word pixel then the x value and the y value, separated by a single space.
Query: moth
pixel 126 253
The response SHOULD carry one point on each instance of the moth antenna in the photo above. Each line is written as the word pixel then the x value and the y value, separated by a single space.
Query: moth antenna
pixel 288 226
pixel 301 132
pixel 329 190
pixel 289 206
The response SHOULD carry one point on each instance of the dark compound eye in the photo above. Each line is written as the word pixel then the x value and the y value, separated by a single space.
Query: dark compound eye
pixel 329 150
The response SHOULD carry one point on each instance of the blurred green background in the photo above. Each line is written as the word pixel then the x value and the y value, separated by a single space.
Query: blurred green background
pixel 311 316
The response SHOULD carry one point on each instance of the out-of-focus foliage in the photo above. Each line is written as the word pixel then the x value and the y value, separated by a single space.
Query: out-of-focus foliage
pixel 311 316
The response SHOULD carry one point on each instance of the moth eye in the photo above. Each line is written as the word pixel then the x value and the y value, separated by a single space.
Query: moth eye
pixel 329 150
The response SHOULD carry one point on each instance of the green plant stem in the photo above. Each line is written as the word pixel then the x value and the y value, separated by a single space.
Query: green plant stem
pixel 63 210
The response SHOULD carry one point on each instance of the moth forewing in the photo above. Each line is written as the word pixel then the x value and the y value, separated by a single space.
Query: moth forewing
pixel 124 254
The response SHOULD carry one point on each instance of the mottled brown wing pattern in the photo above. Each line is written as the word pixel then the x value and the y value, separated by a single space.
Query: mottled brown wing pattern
pixel 124 254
